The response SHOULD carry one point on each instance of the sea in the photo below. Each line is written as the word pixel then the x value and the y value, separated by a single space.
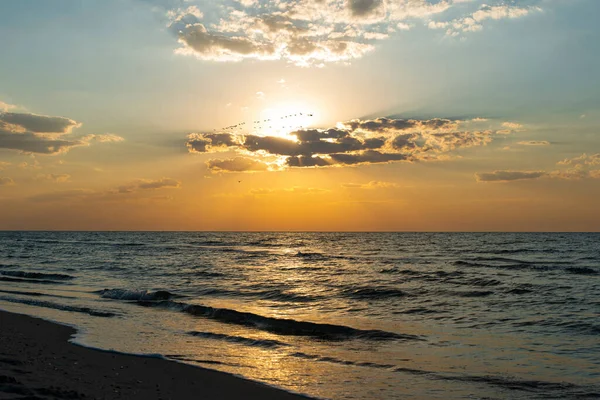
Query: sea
pixel 330 315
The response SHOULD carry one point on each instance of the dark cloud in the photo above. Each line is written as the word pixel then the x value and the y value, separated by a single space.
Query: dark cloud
pixel 386 124
pixel 361 8
pixel 237 164
pixel 39 123
pixel 369 156
pixel 30 142
pixel 215 45
pixel 507 176
pixel 31 133
pixel 405 141
pixel 204 142
pixel 306 161
pixel 378 140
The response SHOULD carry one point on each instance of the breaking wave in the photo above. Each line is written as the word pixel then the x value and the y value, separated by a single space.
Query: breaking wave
pixel 124 294
pixel 278 325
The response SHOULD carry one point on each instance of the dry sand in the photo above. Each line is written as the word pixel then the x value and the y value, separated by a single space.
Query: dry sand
pixel 37 362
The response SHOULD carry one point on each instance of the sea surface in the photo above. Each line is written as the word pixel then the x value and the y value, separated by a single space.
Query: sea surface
pixel 331 315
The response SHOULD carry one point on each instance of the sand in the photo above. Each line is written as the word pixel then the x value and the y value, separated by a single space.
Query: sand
pixel 37 362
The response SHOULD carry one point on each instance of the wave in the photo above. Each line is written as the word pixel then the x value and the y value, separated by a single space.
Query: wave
pixel 208 274
pixel 279 295
pixel 278 325
pixel 34 294
pixel 57 306
pixel 417 310
pixel 373 293
pixel 474 293
pixel 311 256
pixel 334 360
pixel 37 275
pixel 482 282
pixel 469 264
pixel 22 280
pixel 265 343
pixel 124 294
pixel 582 328
pixel 519 291
pixel 581 270
pixel 513 383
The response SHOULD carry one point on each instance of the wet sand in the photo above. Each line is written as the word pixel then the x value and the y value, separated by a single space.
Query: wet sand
pixel 37 362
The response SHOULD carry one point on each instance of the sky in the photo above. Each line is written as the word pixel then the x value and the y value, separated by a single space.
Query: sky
pixel 304 115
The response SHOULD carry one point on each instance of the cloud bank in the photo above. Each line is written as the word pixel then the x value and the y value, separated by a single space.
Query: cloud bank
pixel 314 32
pixel 380 140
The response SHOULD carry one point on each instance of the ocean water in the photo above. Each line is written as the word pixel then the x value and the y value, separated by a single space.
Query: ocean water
pixel 331 315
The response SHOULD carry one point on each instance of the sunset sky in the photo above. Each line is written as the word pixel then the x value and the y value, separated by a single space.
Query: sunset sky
pixel 395 115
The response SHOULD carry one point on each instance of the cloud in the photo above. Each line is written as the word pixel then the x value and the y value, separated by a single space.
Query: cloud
pixel 148 184
pixel 295 189
pixel 579 167
pixel 314 32
pixel 105 138
pixel 371 185
pixel 583 160
pixel 576 168
pixel 473 22
pixel 39 123
pixel 4 164
pixel 40 134
pixel 132 188
pixel 5 106
pixel 63 195
pixel 534 143
pixel 237 164
pixel 379 140
pixel 4 181
pixel 29 142
pixel 362 8
pixel 507 176
pixel 57 178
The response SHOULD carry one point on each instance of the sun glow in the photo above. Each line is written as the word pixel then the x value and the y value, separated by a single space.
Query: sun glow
pixel 282 120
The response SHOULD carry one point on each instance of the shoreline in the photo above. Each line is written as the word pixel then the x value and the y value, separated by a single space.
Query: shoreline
pixel 37 361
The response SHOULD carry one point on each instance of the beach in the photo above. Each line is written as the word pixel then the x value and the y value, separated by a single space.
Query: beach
pixel 38 362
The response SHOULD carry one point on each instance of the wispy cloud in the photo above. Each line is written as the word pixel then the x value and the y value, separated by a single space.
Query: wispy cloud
pixel 5 181
pixel 473 21
pixel 117 193
pixel 508 176
pixel 371 185
pixel 534 143
pixel 237 164
pixel 56 178
pixel 577 168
